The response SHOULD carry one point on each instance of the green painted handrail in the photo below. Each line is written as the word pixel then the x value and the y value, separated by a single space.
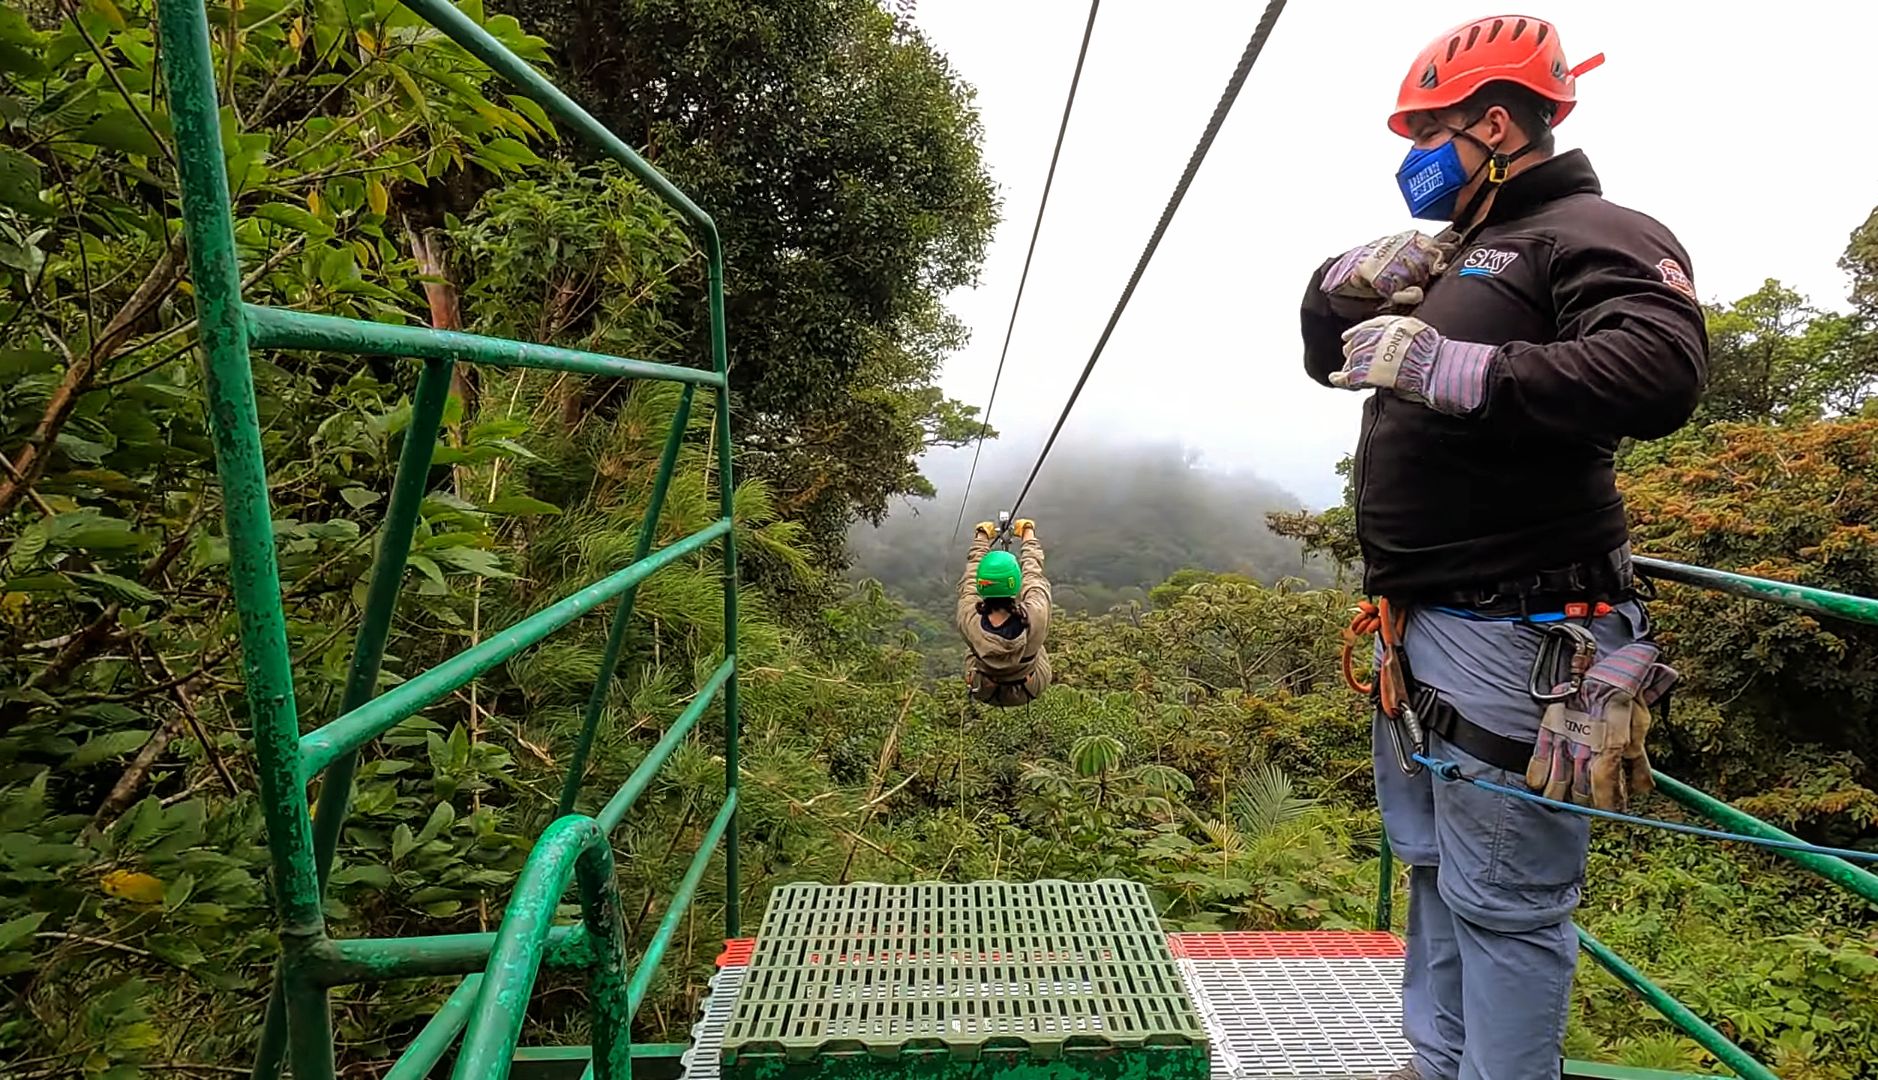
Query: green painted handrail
pixel 301 847
pixel 622 801
pixel 623 611
pixel 439 1035
pixel 674 912
pixel 1841 873
pixel 365 723
pixel 1675 1011
pixel 281 328
pixel 1804 597
pixel 571 848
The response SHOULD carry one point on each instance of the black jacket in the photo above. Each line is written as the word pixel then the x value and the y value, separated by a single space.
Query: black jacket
pixel 1602 338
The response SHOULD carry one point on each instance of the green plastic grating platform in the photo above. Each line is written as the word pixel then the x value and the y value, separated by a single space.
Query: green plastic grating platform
pixel 1046 979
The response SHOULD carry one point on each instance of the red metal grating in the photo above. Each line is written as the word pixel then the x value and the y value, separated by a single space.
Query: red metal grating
pixel 737 952
pixel 1286 944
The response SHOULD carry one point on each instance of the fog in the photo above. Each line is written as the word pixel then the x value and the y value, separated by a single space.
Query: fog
pixel 1116 517
pixel 1707 119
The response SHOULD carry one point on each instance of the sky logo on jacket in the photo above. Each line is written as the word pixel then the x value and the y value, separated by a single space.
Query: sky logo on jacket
pixel 1487 262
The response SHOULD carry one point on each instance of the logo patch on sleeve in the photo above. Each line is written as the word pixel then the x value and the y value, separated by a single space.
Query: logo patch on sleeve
pixel 1676 278
pixel 1486 262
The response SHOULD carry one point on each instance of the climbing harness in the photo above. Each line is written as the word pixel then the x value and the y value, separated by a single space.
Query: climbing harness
pixel 1393 687
pixel 1414 711
pixel 1451 771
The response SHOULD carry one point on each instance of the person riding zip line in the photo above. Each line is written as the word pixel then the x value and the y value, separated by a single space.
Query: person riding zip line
pixel 1004 616
pixel 1505 359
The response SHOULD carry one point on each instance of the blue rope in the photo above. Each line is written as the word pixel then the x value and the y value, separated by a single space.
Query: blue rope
pixel 1448 770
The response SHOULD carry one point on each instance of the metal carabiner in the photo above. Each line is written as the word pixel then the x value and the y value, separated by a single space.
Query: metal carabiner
pixel 1555 679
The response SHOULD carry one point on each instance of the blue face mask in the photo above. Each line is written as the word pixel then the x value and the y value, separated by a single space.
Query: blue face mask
pixel 1431 181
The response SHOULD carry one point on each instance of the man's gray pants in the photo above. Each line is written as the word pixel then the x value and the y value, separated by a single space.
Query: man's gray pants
pixel 1493 879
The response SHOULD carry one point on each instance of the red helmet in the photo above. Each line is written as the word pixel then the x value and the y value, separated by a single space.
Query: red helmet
pixel 1502 48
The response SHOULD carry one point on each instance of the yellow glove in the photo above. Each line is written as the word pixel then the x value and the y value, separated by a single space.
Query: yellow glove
pixel 985 529
pixel 1023 527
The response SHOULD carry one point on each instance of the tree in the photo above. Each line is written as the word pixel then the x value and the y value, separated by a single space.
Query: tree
pixel 839 155
pixel 1774 357
pixel 1792 503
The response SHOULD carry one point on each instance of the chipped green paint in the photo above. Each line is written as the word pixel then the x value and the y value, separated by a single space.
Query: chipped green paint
pixel 1674 1011
pixel 489 1004
pixel 281 328
pixel 571 847
pixel 1804 597
pixel 1838 871
pixel 641 778
pixel 356 960
pixel 215 272
pixel 368 650
pixel 354 729
pixel 622 615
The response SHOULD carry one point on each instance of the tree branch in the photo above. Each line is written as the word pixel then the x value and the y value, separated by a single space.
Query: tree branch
pixel 80 371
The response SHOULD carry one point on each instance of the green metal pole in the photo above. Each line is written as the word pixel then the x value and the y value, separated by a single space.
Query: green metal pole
pixel 368 650
pixel 478 42
pixel 610 1006
pixel 572 843
pixel 622 801
pixel 215 270
pixel 282 328
pixel 1675 1011
pixel 681 900
pixel 1385 886
pixel 321 747
pixel 1806 598
pixel 346 961
pixel 1836 870
pixel 381 597
pixel 727 499
pixel 437 1036
pixel 623 614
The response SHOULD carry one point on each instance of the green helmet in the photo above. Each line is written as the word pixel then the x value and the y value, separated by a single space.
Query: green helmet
pixel 998 575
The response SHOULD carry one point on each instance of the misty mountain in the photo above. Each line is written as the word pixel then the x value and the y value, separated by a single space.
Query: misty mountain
pixel 1115 519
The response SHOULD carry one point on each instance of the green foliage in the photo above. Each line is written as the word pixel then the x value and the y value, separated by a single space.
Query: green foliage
pixel 839 155
pixel 1199 740
pixel 1773 357
pixel 1115 519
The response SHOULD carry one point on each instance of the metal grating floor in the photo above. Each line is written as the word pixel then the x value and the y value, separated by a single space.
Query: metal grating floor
pixel 885 967
pixel 1275 1006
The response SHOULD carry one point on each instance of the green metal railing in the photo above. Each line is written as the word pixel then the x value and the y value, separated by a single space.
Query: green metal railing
pixel 1853 879
pixel 499 969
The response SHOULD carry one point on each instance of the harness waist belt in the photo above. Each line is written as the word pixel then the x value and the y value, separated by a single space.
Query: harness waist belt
pixel 1612 579
pixel 1443 719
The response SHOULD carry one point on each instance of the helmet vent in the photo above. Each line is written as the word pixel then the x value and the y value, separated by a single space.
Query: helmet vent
pixel 1473 35
pixel 1454 46
pixel 1540 40
pixel 1518 29
pixel 1498 25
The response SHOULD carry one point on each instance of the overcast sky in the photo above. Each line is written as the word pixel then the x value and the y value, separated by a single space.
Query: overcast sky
pixel 1742 131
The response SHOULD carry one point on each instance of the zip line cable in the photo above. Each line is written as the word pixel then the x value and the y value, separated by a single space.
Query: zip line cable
pixel 1035 229
pixel 1231 94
